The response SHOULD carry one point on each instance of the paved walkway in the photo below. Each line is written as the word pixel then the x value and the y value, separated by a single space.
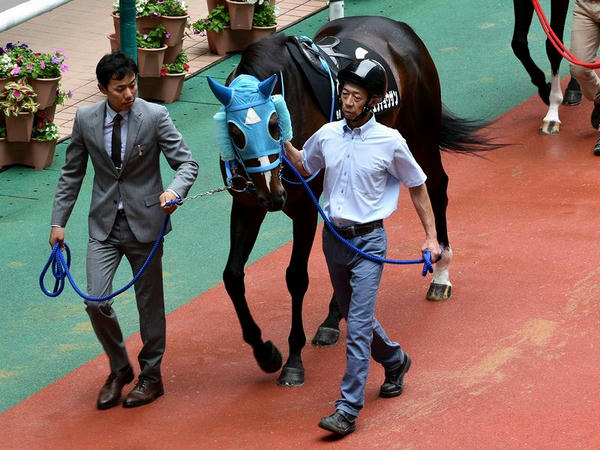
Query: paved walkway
pixel 81 29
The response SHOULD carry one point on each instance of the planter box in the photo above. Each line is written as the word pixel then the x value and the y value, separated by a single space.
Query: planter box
pixel 240 14
pixel 115 43
pixel 260 32
pixel 37 154
pixel 45 88
pixel 165 89
pixel 150 61
pixel 18 128
pixel 143 24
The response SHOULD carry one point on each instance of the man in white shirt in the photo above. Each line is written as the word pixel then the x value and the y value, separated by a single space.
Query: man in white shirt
pixel 364 164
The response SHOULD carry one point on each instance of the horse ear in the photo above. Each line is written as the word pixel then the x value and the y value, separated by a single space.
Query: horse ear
pixel 266 87
pixel 223 93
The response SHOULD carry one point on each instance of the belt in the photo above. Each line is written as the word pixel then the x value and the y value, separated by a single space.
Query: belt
pixel 359 229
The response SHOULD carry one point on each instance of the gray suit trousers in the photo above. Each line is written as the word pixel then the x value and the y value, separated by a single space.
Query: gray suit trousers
pixel 103 258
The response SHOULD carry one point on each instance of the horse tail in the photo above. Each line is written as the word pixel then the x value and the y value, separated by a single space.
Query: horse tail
pixel 460 135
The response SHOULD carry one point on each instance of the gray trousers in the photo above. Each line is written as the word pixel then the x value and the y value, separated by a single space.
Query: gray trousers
pixel 103 259
pixel 355 283
pixel 585 40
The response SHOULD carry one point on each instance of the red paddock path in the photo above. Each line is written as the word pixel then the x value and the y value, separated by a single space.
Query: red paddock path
pixel 510 362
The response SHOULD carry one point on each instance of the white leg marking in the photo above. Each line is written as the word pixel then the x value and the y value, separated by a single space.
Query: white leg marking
pixel 556 98
pixel 441 274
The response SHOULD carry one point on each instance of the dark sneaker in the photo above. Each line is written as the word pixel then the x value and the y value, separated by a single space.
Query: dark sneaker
pixel 392 386
pixel 340 422
pixel 595 119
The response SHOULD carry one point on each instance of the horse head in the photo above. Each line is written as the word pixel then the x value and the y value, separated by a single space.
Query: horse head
pixel 251 127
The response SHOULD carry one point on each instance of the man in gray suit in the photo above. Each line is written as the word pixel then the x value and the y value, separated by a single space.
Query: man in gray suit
pixel 124 137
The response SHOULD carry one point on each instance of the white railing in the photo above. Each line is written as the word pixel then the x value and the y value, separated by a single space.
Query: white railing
pixel 25 11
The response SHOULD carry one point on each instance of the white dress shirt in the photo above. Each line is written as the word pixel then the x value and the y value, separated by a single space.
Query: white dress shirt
pixel 363 170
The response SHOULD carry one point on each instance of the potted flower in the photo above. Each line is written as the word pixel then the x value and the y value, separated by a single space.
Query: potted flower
pixel 168 86
pixel 18 104
pixel 241 13
pixel 264 20
pixel 45 75
pixel 43 142
pixel 216 27
pixel 151 51
pixel 6 67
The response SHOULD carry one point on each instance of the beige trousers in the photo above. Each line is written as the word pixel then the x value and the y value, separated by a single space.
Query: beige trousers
pixel 585 40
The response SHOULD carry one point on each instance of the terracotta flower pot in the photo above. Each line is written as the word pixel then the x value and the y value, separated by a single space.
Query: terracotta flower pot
pixel 166 88
pixel 172 52
pixel 18 128
pixel 147 23
pixel 175 26
pixel 115 43
pixel 45 88
pixel 261 32
pixel 37 154
pixel 241 14
pixel 3 81
pixel 228 40
pixel 150 61
pixel 212 4
pixel 117 24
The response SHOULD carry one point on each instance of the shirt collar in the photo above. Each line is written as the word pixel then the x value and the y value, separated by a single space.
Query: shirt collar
pixel 360 131
pixel 111 113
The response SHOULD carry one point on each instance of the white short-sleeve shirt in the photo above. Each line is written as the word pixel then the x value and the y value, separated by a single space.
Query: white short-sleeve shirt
pixel 363 170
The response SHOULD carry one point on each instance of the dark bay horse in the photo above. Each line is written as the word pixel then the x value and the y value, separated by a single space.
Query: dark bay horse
pixel 550 92
pixel 421 120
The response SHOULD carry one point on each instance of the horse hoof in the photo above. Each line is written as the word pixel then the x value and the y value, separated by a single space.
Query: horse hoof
pixel 268 357
pixel 291 376
pixel 326 336
pixel 439 292
pixel 550 128
pixel 572 98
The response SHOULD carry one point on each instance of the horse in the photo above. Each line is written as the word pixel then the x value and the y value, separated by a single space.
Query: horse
pixel 549 92
pixel 426 126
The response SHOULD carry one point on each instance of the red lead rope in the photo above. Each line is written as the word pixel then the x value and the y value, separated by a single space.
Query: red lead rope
pixel 558 45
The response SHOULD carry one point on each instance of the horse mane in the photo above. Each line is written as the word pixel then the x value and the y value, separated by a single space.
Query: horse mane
pixel 258 58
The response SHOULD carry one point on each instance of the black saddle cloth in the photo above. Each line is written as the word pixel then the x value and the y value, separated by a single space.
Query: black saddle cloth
pixel 337 53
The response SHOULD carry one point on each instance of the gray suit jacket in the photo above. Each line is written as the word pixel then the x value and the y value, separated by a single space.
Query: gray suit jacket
pixel 138 183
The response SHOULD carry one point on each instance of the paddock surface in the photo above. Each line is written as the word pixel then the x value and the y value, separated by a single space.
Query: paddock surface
pixel 509 362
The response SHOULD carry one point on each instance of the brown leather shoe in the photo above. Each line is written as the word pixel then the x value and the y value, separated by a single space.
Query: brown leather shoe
pixel 110 394
pixel 145 391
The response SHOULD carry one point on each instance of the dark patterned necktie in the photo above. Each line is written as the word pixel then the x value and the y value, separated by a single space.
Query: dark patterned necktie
pixel 115 152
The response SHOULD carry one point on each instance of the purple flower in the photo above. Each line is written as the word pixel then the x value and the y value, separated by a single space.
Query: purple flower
pixel 42 64
pixel 1 51
pixel 167 35
pixel 9 46
pixel 28 67
pixel 145 36
pixel 161 1
pixel 15 71
pixel 56 60
pixel 69 94
pixel 64 68
pixel 23 45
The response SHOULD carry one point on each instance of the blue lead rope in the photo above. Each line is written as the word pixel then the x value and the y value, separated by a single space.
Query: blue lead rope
pixel 60 268
pixel 426 259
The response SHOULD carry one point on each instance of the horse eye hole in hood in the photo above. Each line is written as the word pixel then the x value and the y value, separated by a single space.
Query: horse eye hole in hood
pixel 239 139
pixel 274 127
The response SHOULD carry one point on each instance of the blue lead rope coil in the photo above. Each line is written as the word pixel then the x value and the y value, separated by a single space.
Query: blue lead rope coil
pixel 61 268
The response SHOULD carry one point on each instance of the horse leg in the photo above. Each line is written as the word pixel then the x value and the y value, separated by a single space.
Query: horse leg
pixel 296 276
pixel 328 332
pixel 245 224
pixel 551 122
pixel 523 16
pixel 440 288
